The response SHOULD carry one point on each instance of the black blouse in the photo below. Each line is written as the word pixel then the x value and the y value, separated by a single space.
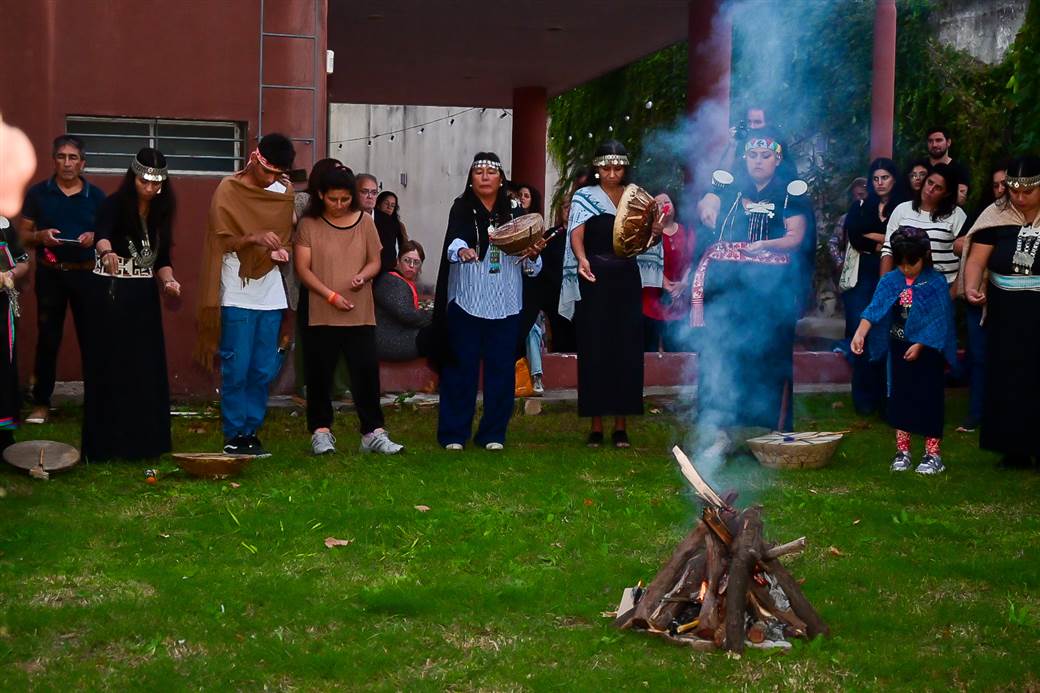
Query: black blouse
pixel 113 226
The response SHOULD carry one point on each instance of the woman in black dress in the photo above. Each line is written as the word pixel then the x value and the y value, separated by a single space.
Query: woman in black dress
pixel 126 389
pixel 392 231
pixel 865 223
pixel 14 264
pixel 604 294
pixel 1006 241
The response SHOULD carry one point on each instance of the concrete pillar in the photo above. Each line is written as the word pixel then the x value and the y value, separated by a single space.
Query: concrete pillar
pixel 708 73
pixel 883 93
pixel 529 126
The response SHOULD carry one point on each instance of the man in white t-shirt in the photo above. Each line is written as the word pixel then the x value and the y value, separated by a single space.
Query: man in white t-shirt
pixel 242 297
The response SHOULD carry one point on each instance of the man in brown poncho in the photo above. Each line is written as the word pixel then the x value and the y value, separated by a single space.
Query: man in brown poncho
pixel 242 297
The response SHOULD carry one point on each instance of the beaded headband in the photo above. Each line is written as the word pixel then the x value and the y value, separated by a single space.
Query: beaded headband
pixel 764 143
pixel 486 163
pixel 610 160
pixel 1019 183
pixel 148 173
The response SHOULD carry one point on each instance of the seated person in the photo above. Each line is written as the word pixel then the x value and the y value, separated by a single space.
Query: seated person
pixel 400 321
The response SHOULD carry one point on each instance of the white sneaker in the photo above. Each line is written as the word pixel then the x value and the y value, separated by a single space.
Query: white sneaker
pixel 453 447
pixel 378 441
pixel 539 389
pixel 494 446
pixel 931 464
pixel 323 442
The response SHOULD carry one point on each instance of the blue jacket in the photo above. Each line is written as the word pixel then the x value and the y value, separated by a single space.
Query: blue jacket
pixel 930 321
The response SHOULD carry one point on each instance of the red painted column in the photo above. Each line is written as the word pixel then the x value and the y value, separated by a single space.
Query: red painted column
pixel 708 75
pixel 529 127
pixel 883 93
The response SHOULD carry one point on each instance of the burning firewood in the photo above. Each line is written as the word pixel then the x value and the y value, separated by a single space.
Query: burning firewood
pixel 724 585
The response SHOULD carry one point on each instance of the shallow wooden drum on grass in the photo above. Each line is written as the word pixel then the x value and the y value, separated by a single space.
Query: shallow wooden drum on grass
pixel 42 455
pixel 808 450
pixel 211 465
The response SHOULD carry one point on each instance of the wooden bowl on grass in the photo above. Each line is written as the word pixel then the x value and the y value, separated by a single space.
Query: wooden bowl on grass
pixel 211 465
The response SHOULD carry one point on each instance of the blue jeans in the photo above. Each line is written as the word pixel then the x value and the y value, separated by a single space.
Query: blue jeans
pixel 249 361
pixel 534 349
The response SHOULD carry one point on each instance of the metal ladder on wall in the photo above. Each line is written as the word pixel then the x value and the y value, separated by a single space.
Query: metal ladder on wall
pixel 317 73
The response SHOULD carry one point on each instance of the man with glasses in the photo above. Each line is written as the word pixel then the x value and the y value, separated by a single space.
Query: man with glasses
pixel 241 294
pixel 58 219
pixel 368 191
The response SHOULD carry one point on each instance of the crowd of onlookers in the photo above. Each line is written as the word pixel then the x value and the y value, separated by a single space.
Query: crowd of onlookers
pixel 332 267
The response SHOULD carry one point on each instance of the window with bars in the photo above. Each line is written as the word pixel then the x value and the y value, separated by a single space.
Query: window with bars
pixel 192 147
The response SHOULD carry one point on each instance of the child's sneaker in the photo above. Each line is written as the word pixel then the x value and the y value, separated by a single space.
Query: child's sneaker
pixel 901 462
pixel 931 464
pixel 539 389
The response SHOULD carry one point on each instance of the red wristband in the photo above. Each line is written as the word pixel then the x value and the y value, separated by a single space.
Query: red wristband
pixel 332 298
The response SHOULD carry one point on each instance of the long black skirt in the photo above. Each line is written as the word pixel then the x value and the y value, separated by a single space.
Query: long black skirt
pixel 916 400
pixel 126 403
pixel 1012 372
pixel 608 323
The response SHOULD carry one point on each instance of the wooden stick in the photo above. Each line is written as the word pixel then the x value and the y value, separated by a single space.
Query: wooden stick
pixel 784 549
pixel 666 577
pixel 704 490
pixel 814 625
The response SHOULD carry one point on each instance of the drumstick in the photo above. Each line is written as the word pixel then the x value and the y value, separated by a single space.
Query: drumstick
pixel 556 232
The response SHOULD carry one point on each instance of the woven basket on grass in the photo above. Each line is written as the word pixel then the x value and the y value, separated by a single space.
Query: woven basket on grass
pixel 809 450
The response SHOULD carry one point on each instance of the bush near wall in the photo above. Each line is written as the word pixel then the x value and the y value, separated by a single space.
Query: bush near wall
pixel 822 83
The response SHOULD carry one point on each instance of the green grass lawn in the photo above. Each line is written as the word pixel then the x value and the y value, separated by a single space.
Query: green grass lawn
pixel 107 582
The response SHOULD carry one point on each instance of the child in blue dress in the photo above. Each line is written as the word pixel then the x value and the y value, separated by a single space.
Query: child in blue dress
pixel 913 316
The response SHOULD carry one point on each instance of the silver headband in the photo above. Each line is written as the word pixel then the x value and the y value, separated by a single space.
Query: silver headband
pixel 488 163
pixel 1019 183
pixel 149 173
pixel 610 160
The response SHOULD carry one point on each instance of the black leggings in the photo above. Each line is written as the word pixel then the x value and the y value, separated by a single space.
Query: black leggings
pixel 322 347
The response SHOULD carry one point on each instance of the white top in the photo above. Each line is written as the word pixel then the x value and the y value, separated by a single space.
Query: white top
pixel 265 293
pixel 483 293
pixel 941 233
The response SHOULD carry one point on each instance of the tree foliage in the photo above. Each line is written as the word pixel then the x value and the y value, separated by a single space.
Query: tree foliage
pixel 810 64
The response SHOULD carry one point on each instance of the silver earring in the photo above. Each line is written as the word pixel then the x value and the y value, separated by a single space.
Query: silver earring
pixel 596 175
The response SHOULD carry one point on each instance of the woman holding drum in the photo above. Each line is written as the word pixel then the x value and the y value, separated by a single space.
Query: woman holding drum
pixel 476 314
pixel 609 225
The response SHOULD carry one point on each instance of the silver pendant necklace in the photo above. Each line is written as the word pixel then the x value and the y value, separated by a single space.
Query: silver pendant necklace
pixel 1025 249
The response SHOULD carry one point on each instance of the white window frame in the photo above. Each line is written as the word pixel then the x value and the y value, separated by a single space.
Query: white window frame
pixel 154 140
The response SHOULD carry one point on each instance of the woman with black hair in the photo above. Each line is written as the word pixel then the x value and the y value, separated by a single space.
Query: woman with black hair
pixel 602 293
pixel 530 199
pixel 392 231
pixel 909 323
pixel 126 402
pixel 934 210
pixel 477 310
pixel 916 172
pixel 337 256
pixel 1005 242
pixel 865 224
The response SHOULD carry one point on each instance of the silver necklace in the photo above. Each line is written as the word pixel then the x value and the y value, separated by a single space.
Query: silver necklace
pixel 146 256
pixel 1025 249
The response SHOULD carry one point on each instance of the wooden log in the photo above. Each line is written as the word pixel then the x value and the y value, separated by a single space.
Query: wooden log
pixel 784 549
pixel 786 616
pixel 814 625
pixel 688 586
pixel 715 568
pixel 666 577
pixel 747 541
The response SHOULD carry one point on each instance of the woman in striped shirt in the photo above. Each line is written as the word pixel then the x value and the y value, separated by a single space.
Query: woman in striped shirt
pixel 934 210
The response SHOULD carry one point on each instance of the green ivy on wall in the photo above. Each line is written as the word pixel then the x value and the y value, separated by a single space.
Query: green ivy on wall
pixel 818 88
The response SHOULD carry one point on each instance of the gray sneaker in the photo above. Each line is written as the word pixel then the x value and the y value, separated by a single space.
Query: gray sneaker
pixel 323 442
pixel 931 464
pixel 901 462
pixel 378 441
